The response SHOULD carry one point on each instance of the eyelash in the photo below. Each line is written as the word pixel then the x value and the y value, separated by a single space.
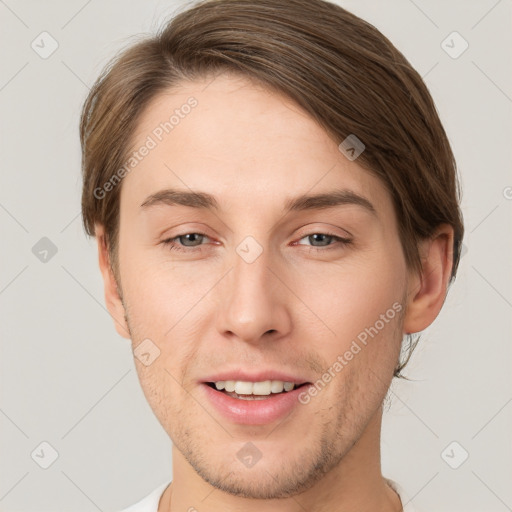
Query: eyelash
pixel 173 246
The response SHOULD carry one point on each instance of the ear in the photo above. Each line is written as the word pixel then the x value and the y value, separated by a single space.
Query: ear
pixel 112 298
pixel 427 290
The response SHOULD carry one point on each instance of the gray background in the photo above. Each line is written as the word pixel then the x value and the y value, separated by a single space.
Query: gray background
pixel 69 380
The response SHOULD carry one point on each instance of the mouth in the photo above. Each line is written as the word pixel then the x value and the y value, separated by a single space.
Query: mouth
pixel 254 402
pixel 262 390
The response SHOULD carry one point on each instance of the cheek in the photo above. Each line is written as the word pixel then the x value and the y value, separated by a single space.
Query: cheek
pixel 161 291
pixel 359 308
pixel 351 296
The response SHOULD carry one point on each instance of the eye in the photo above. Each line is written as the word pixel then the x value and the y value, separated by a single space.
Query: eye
pixel 324 239
pixel 194 238
pixel 191 242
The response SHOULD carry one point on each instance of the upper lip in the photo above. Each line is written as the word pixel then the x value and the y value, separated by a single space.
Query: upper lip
pixel 262 375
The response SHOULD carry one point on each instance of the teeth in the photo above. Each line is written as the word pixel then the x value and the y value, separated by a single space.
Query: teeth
pixel 261 388
pixel 265 387
pixel 243 388
pixel 229 385
pixel 288 386
pixel 277 386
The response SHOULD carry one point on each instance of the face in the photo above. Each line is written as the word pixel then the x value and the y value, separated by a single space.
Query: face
pixel 261 287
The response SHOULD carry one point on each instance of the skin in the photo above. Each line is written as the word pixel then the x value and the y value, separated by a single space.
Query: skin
pixel 208 310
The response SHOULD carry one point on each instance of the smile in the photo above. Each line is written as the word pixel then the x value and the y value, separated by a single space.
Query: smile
pixel 253 403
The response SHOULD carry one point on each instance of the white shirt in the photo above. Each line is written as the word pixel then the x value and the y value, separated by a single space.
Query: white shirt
pixel 150 502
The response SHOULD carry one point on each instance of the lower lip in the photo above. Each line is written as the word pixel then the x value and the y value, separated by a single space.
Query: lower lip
pixel 254 412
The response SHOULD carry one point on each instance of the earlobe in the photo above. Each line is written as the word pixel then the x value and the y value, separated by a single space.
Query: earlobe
pixel 112 298
pixel 427 292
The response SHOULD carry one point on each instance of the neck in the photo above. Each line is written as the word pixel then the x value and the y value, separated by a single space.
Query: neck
pixel 355 483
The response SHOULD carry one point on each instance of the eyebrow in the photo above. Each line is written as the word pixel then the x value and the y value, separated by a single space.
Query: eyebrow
pixel 202 200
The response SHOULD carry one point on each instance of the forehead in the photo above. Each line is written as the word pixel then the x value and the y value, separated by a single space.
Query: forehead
pixel 242 143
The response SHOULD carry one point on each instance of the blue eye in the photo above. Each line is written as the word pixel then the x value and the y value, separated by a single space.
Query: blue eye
pixel 179 243
pixel 323 237
pixel 173 246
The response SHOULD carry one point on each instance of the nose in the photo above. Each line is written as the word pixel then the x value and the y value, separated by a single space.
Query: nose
pixel 253 302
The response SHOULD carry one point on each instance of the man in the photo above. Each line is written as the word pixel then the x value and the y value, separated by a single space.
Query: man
pixel 276 206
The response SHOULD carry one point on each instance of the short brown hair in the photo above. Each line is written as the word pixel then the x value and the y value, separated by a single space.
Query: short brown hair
pixel 336 66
